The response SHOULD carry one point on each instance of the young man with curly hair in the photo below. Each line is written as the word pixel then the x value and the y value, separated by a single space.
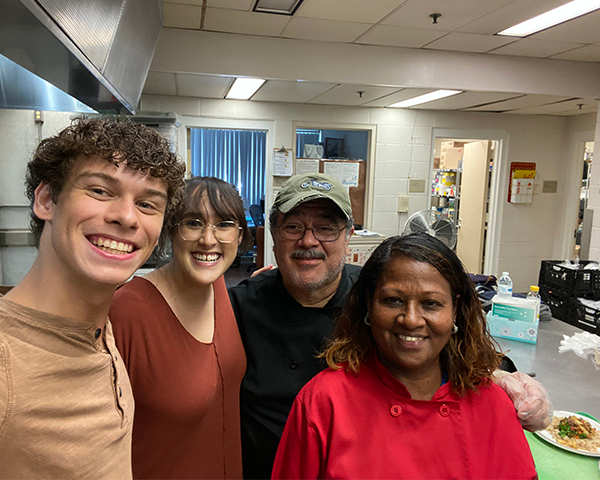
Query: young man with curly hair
pixel 100 191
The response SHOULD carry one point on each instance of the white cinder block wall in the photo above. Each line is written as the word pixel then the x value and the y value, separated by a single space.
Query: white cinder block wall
pixel 527 233
pixel 19 136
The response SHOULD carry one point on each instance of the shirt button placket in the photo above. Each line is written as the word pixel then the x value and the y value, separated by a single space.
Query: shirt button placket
pixel 396 410
pixel 444 410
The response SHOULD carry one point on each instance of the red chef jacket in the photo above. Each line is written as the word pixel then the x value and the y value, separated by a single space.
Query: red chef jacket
pixel 368 427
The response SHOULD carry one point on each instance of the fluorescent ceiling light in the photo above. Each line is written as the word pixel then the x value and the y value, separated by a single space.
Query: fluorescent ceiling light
pixel 428 97
pixel 244 88
pixel 560 14
pixel 283 7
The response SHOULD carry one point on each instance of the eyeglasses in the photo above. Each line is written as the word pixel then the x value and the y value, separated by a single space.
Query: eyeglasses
pixel 323 233
pixel 191 229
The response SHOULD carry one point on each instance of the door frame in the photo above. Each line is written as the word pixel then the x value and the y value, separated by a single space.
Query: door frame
pixel 497 187
pixel 236 124
pixel 573 189
pixel 371 142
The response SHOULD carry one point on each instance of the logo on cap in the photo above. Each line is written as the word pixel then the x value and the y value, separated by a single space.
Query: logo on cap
pixel 315 184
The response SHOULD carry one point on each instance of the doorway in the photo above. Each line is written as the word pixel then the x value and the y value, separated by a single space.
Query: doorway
pixel 188 123
pixel 577 217
pixel 343 151
pixel 584 221
pixel 462 187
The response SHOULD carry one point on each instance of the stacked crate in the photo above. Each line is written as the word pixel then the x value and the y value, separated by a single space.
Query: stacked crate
pixel 560 287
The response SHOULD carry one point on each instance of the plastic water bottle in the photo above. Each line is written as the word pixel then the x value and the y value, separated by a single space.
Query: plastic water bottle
pixel 505 287
pixel 534 294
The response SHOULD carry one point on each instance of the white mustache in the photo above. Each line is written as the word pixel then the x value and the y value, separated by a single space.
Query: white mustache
pixel 308 254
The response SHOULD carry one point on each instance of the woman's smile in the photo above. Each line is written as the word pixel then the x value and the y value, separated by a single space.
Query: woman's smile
pixel 411 316
pixel 206 257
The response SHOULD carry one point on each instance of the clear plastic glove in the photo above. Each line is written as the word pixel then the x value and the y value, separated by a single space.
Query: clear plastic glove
pixel 533 405
pixel 582 344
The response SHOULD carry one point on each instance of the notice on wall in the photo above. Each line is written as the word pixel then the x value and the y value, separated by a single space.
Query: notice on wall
pixel 522 178
pixel 283 165
pixel 306 165
pixel 347 173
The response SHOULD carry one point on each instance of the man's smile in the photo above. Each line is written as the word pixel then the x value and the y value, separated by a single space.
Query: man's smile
pixel 112 246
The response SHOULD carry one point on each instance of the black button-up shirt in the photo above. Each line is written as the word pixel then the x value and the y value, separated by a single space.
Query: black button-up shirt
pixel 281 339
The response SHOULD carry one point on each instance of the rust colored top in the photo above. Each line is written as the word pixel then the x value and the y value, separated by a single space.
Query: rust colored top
pixel 187 419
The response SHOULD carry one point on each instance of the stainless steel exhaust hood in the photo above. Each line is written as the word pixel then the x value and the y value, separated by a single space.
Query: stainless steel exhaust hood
pixel 96 51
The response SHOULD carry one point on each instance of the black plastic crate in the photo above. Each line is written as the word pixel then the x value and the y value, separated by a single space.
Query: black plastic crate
pixel 559 302
pixel 586 318
pixel 580 283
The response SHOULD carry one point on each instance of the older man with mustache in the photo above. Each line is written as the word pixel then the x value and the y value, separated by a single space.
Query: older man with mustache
pixel 286 315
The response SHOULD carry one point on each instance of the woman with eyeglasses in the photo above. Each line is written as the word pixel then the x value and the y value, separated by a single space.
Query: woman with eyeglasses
pixel 179 339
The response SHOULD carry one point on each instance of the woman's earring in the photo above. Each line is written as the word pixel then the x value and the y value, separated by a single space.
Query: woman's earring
pixel 366 320
pixel 454 328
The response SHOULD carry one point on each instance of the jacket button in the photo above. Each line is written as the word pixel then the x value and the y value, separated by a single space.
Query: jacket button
pixel 396 410
pixel 293 365
pixel 444 410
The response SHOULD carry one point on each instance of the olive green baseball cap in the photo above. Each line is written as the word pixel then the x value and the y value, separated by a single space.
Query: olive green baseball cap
pixel 312 186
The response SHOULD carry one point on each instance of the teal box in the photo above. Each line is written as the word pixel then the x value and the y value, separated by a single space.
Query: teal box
pixel 512 329
pixel 514 312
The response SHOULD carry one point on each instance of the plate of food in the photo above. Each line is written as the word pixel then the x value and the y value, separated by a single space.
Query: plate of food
pixel 573 432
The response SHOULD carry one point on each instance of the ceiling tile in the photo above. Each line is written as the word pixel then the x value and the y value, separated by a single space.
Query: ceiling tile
pixel 348 95
pixel 583 30
pixel 568 108
pixel 249 23
pixel 181 16
pixel 233 4
pixel 294 92
pixel 469 42
pixel 528 47
pixel 348 10
pixel 455 14
pixel 207 86
pixel 399 36
pixel 589 53
pixel 526 101
pixel 159 83
pixel 511 14
pixel 397 97
pixel 324 30
pixel 466 100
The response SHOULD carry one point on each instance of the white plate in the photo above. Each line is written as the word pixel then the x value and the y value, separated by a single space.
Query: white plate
pixel 546 435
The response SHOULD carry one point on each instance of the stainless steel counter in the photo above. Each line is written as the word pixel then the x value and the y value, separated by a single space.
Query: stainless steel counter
pixel 573 383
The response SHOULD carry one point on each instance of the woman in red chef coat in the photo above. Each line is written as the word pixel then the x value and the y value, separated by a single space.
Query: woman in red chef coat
pixel 408 394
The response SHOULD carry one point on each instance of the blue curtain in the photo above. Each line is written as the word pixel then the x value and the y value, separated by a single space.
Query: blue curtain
pixel 236 156
pixel 306 137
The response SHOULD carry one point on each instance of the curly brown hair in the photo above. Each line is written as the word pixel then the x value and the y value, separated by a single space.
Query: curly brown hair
pixel 469 358
pixel 120 142
pixel 225 200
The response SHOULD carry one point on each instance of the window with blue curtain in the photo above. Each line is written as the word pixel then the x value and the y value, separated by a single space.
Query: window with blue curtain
pixel 236 156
